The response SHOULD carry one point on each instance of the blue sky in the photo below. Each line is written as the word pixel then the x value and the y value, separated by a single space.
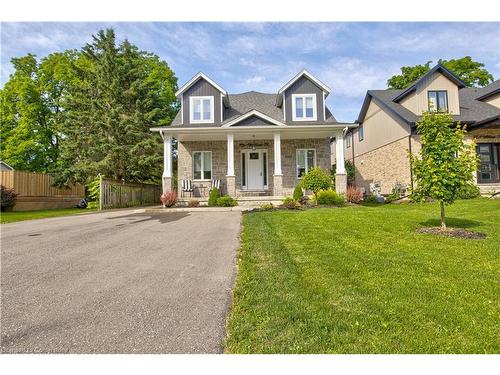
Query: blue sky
pixel 348 57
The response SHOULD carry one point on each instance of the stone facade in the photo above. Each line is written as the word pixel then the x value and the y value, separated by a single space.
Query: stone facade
pixel 341 183
pixel 219 161
pixel 166 184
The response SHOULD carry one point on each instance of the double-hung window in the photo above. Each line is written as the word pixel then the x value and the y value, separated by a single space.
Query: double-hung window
pixel 201 109
pixel 438 101
pixel 202 165
pixel 304 107
pixel 361 133
pixel 306 159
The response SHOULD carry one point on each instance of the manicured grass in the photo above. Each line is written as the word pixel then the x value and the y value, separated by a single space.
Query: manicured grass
pixel 360 280
pixel 10 217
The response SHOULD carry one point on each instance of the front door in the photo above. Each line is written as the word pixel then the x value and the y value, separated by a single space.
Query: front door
pixel 255 173
pixel 489 167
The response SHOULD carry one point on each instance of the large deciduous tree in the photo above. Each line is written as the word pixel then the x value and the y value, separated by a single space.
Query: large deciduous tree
pixel 118 93
pixel 471 72
pixel 31 104
pixel 445 165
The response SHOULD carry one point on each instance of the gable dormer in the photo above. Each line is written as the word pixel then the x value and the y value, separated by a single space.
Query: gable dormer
pixel 437 90
pixel 302 99
pixel 202 101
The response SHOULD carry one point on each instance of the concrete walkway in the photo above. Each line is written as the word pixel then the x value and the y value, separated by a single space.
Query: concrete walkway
pixel 118 282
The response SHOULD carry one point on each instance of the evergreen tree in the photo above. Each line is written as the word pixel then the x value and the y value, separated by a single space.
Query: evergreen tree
pixel 118 93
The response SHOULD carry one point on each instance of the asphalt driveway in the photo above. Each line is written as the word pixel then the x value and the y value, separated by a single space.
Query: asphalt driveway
pixel 118 282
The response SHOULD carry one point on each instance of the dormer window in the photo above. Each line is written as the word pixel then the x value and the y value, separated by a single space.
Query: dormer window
pixel 201 109
pixel 438 101
pixel 304 107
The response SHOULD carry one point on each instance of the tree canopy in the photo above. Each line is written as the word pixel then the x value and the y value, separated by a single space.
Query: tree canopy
pixel 445 165
pixel 471 72
pixel 31 104
pixel 86 112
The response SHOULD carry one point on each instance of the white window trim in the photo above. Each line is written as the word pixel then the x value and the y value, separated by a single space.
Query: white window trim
pixel 191 110
pixel 203 165
pixel 307 166
pixel 348 140
pixel 247 152
pixel 294 112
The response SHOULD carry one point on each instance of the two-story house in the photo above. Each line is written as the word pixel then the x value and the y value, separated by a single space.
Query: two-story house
pixel 254 143
pixel 379 146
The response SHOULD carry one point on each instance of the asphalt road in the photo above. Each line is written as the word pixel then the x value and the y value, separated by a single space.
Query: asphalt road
pixel 118 282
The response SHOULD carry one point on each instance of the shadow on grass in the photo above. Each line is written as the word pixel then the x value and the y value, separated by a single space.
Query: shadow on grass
pixel 451 222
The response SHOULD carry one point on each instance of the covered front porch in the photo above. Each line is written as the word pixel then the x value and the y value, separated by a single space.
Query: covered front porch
pixel 264 161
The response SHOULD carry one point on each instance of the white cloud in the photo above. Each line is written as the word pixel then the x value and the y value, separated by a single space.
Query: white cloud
pixel 352 77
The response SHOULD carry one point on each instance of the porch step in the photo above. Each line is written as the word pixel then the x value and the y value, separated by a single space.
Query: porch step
pixel 259 193
pixel 489 189
pixel 255 201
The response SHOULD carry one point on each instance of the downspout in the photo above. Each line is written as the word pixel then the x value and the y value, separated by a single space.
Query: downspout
pixel 409 148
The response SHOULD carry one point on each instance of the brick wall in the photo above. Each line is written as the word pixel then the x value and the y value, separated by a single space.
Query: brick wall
pixel 386 164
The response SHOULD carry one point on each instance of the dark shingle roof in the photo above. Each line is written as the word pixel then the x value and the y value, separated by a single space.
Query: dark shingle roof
pixel 471 109
pixel 487 91
pixel 252 100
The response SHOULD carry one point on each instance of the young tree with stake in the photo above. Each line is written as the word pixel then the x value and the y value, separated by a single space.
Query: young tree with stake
pixel 445 164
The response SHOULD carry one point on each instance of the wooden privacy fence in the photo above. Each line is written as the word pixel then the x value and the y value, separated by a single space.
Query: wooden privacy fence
pixel 35 191
pixel 117 194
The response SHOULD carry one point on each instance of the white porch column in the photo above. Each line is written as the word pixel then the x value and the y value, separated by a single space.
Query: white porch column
pixel 167 163
pixel 230 178
pixel 340 173
pixel 339 153
pixel 277 154
pixel 230 154
pixel 278 174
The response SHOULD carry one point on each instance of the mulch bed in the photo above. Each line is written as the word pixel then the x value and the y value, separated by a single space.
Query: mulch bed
pixel 452 232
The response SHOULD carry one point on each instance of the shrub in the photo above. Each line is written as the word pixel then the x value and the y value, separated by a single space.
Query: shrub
pixel 7 197
pixel 330 198
pixel 469 191
pixel 315 180
pixel 213 196
pixel 350 170
pixel 226 201
pixel 193 203
pixel 298 193
pixel 267 207
pixel 291 203
pixel 353 194
pixel 370 198
pixel 169 199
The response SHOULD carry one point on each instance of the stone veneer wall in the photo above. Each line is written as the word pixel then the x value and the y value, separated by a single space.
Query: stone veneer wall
pixel 219 160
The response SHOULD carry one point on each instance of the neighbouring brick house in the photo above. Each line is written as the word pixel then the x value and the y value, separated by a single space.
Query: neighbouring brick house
pixel 255 143
pixel 379 146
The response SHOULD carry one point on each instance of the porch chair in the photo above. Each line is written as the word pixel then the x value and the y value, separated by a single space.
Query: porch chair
pixel 186 187
pixel 215 184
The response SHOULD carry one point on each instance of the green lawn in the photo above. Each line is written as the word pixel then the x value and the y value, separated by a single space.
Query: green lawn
pixel 360 280
pixel 10 217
